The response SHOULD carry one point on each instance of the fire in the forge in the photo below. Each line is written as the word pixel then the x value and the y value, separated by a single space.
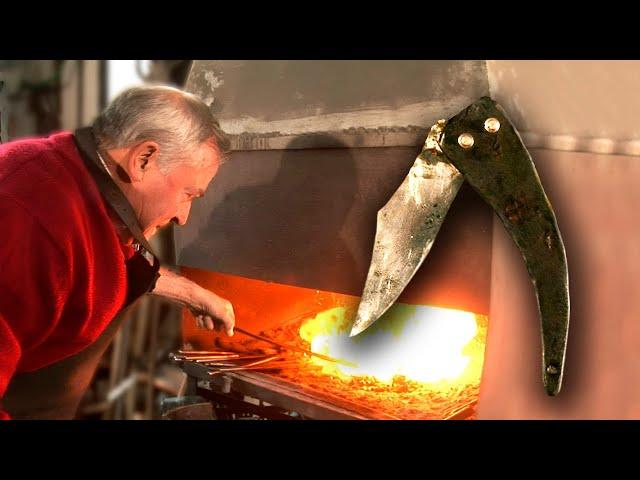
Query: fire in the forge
pixel 424 344
pixel 435 346
pixel 416 362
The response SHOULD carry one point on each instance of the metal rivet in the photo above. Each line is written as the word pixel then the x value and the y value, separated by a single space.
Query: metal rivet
pixel 492 125
pixel 465 140
pixel 552 370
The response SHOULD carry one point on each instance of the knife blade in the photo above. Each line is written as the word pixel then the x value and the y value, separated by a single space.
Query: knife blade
pixel 406 229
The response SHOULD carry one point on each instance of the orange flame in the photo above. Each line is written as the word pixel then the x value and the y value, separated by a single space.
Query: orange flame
pixel 438 346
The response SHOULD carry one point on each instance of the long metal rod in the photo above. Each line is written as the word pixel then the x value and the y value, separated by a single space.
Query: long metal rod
pixel 292 347
pixel 247 366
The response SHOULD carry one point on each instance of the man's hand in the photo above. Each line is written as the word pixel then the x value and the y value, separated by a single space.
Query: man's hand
pixel 213 312
pixel 210 310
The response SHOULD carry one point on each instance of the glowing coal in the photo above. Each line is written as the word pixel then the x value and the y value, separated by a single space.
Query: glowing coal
pixel 426 344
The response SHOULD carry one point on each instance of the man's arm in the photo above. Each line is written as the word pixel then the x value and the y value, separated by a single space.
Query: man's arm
pixel 34 286
pixel 210 310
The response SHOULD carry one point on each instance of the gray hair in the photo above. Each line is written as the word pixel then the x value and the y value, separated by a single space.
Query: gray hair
pixel 177 120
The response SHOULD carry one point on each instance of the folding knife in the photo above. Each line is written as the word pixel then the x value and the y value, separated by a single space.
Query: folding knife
pixel 479 145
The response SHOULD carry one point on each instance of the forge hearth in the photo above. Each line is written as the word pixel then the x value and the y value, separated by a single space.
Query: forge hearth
pixel 417 362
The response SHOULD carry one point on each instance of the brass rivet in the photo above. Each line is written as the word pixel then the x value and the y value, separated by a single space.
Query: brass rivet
pixel 465 140
pixel 492 125
pixel 552 370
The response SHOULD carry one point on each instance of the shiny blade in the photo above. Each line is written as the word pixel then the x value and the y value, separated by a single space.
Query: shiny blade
pixel 406 229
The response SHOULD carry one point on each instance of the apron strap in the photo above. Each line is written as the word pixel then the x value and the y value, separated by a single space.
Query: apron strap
pixel 87 146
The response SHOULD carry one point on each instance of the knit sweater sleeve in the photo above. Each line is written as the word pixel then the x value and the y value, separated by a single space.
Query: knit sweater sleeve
pixel 34 286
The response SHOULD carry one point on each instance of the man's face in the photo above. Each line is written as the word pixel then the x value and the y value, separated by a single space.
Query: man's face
pixel 166 198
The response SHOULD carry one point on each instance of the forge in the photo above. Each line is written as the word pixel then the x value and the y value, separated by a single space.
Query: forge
pixel 417 362
pixel 286 233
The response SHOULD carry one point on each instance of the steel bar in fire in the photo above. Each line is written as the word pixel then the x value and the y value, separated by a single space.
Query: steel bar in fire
pixel 293 347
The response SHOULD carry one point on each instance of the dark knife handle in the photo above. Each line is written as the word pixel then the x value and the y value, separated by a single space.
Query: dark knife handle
pixel 497 165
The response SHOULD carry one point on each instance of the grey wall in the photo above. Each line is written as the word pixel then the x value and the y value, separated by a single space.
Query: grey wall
pixel 390 103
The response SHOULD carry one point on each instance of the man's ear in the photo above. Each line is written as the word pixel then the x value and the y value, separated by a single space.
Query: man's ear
pixel 142 158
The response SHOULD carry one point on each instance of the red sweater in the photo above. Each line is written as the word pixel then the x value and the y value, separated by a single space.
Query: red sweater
pixel 62 267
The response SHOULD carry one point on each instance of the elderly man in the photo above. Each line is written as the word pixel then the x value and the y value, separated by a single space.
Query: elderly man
pixel 76 211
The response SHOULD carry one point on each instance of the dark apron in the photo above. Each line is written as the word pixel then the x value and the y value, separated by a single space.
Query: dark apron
pixel 55 391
